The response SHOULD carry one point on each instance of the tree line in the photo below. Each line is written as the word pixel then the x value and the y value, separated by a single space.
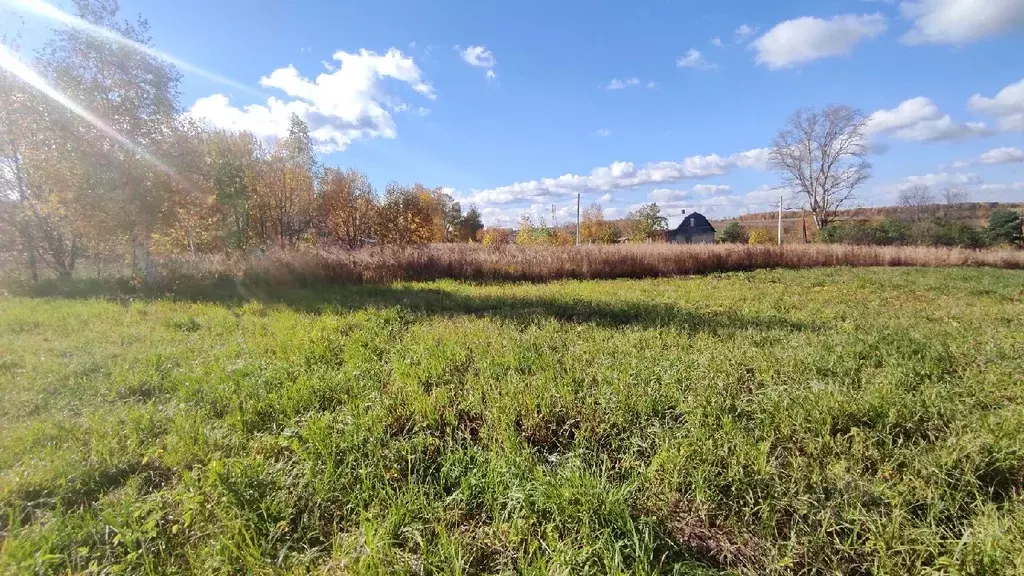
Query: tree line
pixel 139 177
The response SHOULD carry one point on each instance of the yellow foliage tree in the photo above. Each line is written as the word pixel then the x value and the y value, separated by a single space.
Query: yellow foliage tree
pixel 761 236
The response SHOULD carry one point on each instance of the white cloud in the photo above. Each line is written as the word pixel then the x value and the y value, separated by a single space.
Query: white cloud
pixel 340 106
pixel 693 59
pixel 621 176
pixel 999 192
pixel 802 40
pixel 960 21
pixel 479 57
pixel 674 198
pixel 723 205
pixel 717 42
pixel 665 196
pixel 606 198
pixel 908 113
pixel 1004 155
pixel 920 120
pixel 943 128
pixel 652 85
pixel 939 180
pixel 711 189
pixel 617 84
pixel 602 132
pixel 1007 106
pixel 743 32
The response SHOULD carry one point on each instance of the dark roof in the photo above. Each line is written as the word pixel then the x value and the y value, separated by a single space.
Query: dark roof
pixel 699 223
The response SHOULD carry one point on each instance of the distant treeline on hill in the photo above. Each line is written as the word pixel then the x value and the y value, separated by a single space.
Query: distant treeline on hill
pixel 974 213
pixel 967 224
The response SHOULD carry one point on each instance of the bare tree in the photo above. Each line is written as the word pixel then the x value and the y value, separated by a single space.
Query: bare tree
pixel 916 200
pixel 822 155
pixel 953 195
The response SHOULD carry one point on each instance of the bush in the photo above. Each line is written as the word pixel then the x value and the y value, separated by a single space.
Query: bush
pixel 935 231
pixel 1005 227
pixel 762 236
pixel 734 233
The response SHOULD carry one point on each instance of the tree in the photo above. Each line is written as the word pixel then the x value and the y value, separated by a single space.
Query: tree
pixel 291 191
pixel 1004 227
pixel 594 228
pixel 916 200
pixel 734 233
pixel 822 156
pixel 953 195
pixel 410 215
pixel 135 95
pixel 761 236
pixel 450 215
pixel 470 225
pixel 647 221
pixel 42 178
pixel 495 236
pixel 349 206
pixel 525 234
pixel 232 169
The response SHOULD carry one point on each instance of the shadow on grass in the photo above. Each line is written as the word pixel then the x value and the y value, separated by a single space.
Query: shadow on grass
pixel 523 310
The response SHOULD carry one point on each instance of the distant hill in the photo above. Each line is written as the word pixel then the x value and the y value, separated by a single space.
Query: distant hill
pixel 973 213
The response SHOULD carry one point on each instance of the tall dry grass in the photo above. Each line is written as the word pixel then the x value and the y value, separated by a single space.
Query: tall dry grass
pixel 541 264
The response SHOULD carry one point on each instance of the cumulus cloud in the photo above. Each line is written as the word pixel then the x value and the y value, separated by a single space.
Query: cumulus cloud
pixel 999 192
pixel 672 198
pixel 693 59
pixel 1007 107
pixel 711 189
pixel 1004 155
pixel 920 120
pixel 617 84
pixel 606 198
pixel 479 57
pixel 621 176
pixel 722 204
pixel 803 40
pixel 665 195
pixel 939 180
pixel 340 106
pixel 717 42
pixel 960 21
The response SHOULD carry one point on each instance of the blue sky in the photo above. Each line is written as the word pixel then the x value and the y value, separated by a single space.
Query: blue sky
pixel 625 102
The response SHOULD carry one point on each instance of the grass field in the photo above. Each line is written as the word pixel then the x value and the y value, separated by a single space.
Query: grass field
pixel 831 420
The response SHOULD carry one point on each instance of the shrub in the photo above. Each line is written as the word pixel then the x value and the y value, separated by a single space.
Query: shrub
pixel 734 233
pixel 762 236
pixel 1005 227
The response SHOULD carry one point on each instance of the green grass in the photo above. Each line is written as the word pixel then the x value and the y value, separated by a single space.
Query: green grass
pixel 817 421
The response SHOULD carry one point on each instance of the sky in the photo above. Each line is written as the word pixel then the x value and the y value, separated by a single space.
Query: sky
pixel 518 106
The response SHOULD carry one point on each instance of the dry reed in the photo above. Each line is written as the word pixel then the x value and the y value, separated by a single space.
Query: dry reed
pixel 540 264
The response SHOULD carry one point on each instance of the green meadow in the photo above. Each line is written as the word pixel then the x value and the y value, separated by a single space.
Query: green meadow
pixel 834 421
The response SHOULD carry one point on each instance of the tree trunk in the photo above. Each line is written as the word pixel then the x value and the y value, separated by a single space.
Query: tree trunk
pixel 142 258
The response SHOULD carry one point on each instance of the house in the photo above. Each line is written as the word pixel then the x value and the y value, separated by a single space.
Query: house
pixel 694 229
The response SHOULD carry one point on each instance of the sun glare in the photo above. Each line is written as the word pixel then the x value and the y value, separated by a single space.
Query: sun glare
pixel 10 62
pixel 51 12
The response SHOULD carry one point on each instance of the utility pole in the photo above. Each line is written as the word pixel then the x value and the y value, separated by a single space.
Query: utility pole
pixel 780 219
pixel 577 219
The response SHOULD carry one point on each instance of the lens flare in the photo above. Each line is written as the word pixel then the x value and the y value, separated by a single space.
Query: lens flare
pixel 51 12
pixel 10 62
